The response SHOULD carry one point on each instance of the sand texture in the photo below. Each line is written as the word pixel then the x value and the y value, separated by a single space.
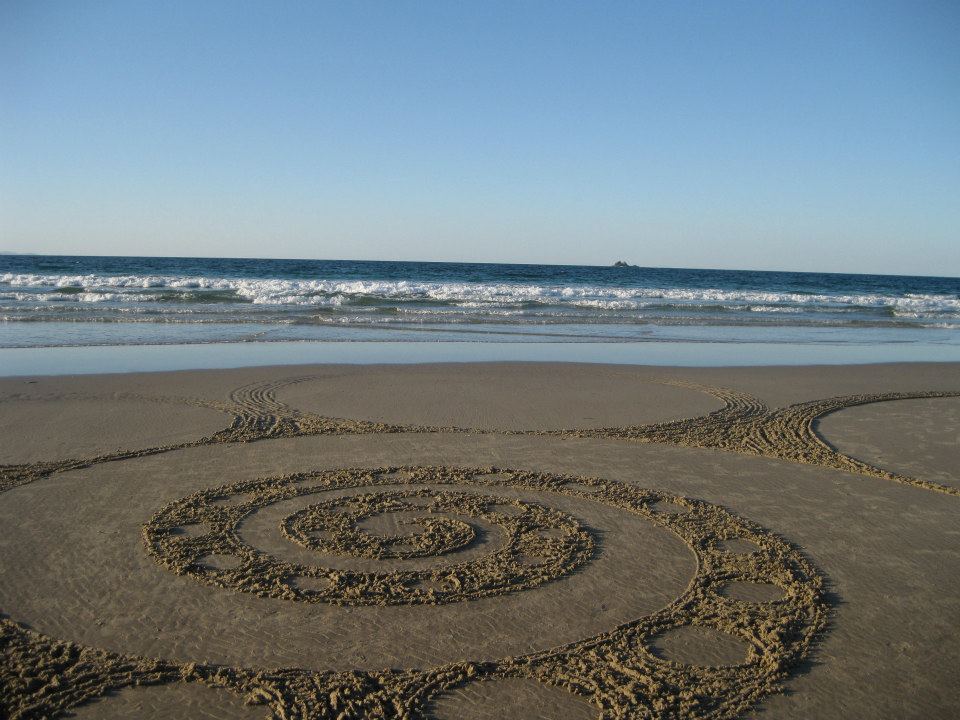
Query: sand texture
pixel 479 541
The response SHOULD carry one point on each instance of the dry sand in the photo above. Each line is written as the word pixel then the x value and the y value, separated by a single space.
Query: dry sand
pixel 662 542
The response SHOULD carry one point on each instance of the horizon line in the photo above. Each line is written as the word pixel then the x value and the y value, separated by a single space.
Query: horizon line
pixel 9 253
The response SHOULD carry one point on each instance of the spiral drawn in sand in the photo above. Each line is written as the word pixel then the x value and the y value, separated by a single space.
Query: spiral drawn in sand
pixel 622 672
pixel 199 536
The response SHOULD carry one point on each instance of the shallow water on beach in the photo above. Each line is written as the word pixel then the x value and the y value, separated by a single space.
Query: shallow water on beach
pixel 146 358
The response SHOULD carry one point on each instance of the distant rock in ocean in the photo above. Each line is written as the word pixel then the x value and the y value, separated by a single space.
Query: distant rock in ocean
pixel 621 263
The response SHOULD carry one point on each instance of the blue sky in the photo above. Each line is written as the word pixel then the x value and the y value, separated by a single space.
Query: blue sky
pixel 770 135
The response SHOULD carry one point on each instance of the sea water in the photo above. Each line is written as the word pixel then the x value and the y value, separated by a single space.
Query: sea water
pixel 66 301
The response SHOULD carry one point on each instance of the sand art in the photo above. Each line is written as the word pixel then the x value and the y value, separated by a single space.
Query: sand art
pixel 747 426
pixel 744 425
pixel 623 672
pixel 751 590
pixel 541 544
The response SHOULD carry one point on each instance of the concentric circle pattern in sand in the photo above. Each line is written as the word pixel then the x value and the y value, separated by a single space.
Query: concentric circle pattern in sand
pixel 619 670
pixel 533 543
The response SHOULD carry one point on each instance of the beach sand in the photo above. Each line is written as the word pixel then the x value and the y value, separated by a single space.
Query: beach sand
pixel 490 540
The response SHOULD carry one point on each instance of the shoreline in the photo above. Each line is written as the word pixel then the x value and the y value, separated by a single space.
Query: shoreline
pixel 99 359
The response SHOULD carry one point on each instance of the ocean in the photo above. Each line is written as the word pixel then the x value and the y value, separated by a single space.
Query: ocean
pixel 56 301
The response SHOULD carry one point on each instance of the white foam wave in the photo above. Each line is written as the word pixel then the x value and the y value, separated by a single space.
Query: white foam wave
pixel 336 293
pixel 81 297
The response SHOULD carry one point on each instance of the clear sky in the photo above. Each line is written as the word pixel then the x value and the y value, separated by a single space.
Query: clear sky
pixel 771 135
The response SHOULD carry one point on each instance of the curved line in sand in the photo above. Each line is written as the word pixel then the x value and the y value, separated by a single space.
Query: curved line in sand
pixel 616 670
pixel 744 425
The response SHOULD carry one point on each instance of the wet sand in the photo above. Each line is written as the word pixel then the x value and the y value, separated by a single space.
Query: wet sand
pixel 646 542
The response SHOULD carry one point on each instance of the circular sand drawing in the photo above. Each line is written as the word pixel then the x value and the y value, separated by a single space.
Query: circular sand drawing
pixel 199 536
pixel 749 614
